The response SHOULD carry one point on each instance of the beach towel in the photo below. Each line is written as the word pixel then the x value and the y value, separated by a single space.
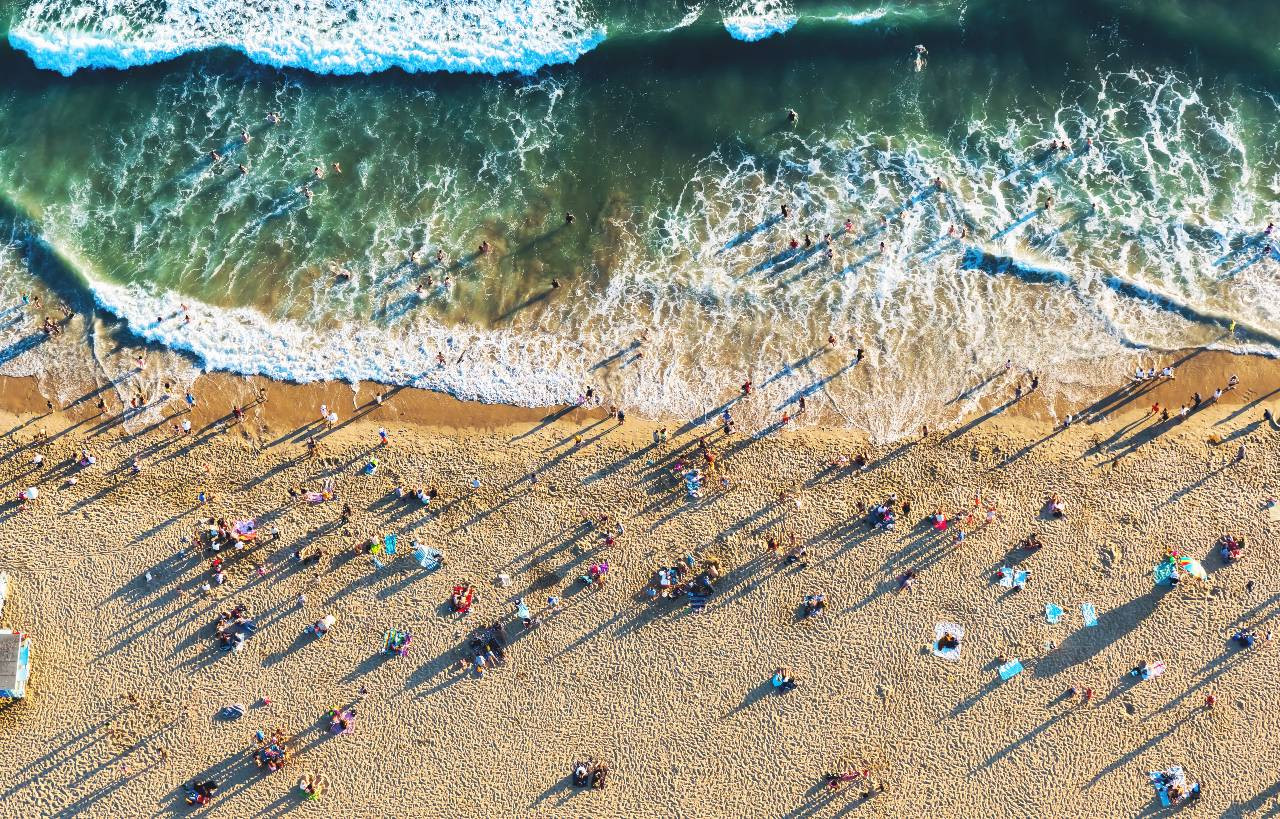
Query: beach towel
pixel 389 545
pixel 1006 577
pixel 954 629
pixel 1020 577
pixel 1010 669
pixel 1164 572
pixel 1090 614
pixel 1053 613
pixel 427 558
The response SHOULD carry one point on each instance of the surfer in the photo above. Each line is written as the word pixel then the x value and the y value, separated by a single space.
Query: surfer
pixel 440 257
pixel 920 59
pixel 243 170
pixel 317 172
pixel 337 168
pixel 792 116
pixel 214 156
pixel 244 137
pixel 568 218
pixel 274 118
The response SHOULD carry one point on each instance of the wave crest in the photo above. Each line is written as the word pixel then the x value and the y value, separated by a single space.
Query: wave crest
pixel 474 36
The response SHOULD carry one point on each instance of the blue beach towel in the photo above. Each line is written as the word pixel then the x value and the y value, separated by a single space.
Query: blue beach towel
pixel 1089 613
pixel 1053 613
pixel 1010 669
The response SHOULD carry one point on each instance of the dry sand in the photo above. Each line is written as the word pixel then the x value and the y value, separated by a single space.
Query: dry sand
pixel 122 706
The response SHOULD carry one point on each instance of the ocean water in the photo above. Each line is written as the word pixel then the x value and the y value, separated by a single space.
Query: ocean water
pixel 662 126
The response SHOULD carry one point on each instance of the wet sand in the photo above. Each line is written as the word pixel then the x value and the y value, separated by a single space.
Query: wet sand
pixel 122 706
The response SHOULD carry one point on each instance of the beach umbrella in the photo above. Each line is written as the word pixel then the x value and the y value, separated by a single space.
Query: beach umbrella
pixel 1192 567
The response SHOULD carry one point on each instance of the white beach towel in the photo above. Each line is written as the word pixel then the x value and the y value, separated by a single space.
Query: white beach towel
pixel 956 630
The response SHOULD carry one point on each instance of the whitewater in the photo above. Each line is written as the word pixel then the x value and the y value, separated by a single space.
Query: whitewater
pixel 416 36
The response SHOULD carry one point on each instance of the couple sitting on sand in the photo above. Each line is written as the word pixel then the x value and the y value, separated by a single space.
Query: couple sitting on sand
pixel 589 773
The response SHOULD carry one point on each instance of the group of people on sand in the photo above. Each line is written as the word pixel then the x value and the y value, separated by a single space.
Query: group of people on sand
pixel 588 773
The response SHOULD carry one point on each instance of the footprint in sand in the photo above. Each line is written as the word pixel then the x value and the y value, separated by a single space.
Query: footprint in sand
pixel 1108 556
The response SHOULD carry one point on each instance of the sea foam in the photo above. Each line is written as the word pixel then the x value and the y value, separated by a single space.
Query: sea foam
pixel 474 36
pixel 493 366
pixel 752 20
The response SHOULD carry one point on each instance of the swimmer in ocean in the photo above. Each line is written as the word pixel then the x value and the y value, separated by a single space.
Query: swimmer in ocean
pixel 244 137
pixel 243 170
pixel 274 117
pixel 306 191
pixel 920 59
pixel 792 116
pixel 317 172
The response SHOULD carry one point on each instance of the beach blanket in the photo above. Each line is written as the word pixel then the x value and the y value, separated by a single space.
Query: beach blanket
pixel 954 629
pixel 1010 578
pixel 428 558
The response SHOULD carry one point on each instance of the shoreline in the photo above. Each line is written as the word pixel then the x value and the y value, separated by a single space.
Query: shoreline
pixel 296 404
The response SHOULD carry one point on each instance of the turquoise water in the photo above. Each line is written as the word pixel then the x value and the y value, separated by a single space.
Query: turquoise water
pixel 662 127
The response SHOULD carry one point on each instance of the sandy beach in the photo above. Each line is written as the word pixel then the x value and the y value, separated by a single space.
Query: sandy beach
pixel 123 707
